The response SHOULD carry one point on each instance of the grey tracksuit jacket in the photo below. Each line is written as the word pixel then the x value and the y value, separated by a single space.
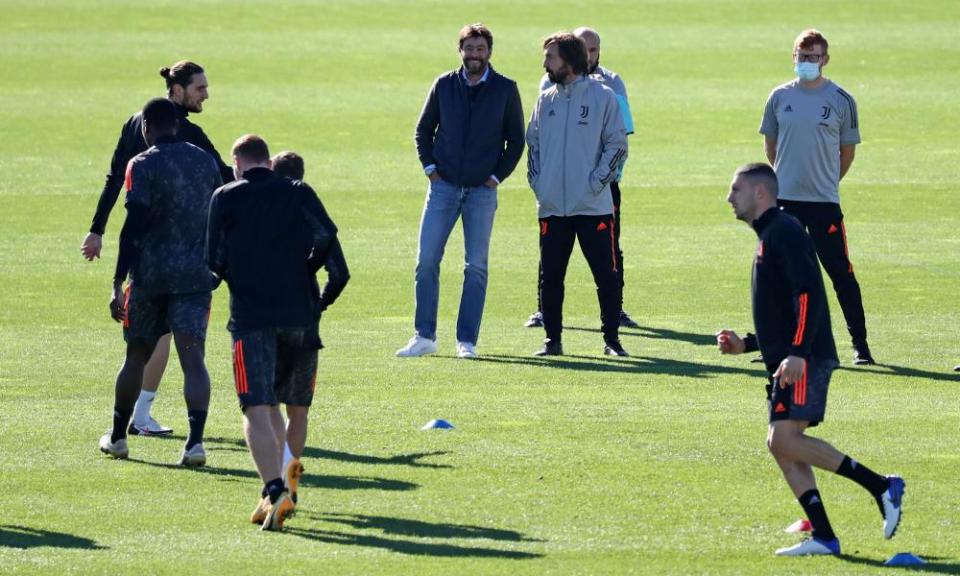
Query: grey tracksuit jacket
pixel 575 142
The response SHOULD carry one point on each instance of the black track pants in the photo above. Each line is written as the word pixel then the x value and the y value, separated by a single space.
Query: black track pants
pixel 824 222
pixel 597 237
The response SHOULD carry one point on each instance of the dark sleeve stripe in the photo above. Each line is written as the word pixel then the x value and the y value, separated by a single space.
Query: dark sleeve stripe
pixel 614 162
pixel 531 171
pixel 854 121
pixel 801 319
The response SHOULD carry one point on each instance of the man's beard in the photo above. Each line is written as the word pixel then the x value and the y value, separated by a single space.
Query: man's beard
pixel 557 77
pixel 593 69
pixel 474 65
pixel 194 107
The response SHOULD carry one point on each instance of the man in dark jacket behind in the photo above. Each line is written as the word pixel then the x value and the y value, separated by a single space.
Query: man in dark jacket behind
pixel 469 139
pixel 187 88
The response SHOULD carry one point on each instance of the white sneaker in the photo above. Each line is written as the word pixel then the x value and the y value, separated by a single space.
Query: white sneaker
pixel 116 449
pixel 149 428
pixel 466 350
pixel 811 547
pixel 418 346
pixel 194 457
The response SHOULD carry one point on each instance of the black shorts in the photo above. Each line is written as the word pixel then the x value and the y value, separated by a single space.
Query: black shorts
pixel 150 316
pixel 803 400
pixel 275 365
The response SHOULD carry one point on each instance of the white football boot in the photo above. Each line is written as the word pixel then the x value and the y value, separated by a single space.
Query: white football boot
pixel 116 449
pixel 149 428
pixel 811 547
pixel 194 457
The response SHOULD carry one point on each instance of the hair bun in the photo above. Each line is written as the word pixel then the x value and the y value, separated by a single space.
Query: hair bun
pixel 165 72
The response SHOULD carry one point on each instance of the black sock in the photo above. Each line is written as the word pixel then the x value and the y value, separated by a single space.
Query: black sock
pixel 817 514
pixel 274 488
pixel 198 420
pixel 873 482
pixel 121 419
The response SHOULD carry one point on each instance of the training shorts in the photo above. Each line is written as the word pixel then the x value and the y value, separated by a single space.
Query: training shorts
pixel 150 316
pixel 805 399
pixel 275 365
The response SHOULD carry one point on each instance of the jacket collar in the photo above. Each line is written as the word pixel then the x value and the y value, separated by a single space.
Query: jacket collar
pixel 182 112
pixel 765 219
pixel 484 78
pixel 580 82
pixel 257 174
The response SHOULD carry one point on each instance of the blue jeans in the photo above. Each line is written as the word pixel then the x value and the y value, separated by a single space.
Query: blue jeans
pixel 444 206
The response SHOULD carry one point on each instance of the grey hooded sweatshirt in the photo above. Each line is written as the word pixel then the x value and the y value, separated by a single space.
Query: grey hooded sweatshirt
pixel 575 142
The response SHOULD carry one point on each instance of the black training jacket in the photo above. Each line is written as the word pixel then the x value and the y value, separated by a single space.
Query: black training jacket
pixel 132 143
pixel 789 302
pixel 266 237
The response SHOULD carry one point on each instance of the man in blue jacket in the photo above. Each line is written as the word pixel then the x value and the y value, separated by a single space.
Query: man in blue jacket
pixel 469 139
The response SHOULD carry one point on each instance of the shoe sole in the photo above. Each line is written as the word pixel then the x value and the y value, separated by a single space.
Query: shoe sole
pixel 193 461
pixel 805 554
pixel 410 355
pixel 114 455
pixel 790 552
pixel 609 352
pixel 134 431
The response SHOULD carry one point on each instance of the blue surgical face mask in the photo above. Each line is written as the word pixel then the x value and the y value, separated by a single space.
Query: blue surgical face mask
pixel 807 71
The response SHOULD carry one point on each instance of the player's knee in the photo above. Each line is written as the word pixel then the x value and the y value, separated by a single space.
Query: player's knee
pixel 781 442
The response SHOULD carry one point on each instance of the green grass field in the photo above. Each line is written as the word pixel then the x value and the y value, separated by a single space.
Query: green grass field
pixel 654 464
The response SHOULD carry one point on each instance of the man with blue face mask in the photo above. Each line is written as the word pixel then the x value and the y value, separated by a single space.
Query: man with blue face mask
pixel 811 130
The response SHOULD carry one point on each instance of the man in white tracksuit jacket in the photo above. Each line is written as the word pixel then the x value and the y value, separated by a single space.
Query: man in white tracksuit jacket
pixel 576 141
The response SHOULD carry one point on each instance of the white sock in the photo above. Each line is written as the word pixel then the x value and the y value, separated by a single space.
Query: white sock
pixel 287 457
pixel 141 412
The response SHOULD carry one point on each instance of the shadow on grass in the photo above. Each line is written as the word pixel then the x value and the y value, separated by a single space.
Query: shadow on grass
pixel 23 538
pixel 220 444
pixel 409 547
pixel 894 370
pixel 356 483
pixel 412 460
pixel 417 528
pixel 657 334
pixel 932 565
pixel 634 365
pixel 308 480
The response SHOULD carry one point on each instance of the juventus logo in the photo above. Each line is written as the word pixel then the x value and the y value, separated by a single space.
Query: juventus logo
pixel 584 111
pixel 826 112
